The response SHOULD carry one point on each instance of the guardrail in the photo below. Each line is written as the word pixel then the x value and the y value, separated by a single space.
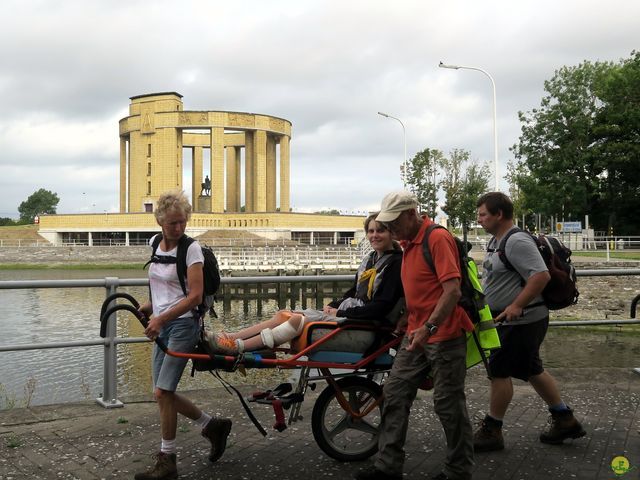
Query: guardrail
pixel 111 341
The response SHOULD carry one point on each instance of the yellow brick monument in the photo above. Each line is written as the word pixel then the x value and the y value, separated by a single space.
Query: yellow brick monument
pixel 158 129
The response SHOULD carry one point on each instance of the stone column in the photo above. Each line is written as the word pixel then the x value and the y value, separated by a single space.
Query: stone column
pixel 233 179
pixel 284 174
pixel 260 168
pixel 196 176
pixel 249 161
pixel 238 187
pixel 271 174
pixel 217 169
pixel 123 175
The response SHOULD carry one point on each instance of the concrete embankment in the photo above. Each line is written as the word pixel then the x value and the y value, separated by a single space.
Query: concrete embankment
pixel 75 254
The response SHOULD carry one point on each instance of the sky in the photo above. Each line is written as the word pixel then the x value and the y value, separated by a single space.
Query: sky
pixel 68 68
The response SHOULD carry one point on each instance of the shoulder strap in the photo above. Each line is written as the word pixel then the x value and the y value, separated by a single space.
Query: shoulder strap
pixel 154 247
pixel 428 258
pixel 181 260
pixel 502 252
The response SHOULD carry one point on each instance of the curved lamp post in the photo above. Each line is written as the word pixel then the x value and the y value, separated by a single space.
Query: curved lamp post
pixel 495 127
pixel 404 159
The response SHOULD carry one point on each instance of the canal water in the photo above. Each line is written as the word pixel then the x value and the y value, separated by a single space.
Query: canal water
pixel 68 374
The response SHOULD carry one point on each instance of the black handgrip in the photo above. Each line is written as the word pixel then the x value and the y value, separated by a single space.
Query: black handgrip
pixel 634 306
pixel 144 320
pixel 112 297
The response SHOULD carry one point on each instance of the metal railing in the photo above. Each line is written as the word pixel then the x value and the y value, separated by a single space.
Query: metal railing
pixel 111 341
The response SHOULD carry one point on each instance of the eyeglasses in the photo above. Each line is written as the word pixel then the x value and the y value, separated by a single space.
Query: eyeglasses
pixel 393 225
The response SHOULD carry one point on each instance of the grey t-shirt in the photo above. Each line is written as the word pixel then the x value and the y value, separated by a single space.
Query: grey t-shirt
pixel 502 286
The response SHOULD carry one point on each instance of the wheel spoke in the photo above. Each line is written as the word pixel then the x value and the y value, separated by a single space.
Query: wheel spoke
pixel 341 426
pixel 365 427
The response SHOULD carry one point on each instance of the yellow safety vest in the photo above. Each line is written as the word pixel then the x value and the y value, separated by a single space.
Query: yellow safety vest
pixel 485 331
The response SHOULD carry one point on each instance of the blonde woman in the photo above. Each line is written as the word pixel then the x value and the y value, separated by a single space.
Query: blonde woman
pixel 174 320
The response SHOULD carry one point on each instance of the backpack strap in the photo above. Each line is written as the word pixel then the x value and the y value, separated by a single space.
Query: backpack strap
pixel 502 248
pixel 154 247
pixel 426 251
pixel 181 260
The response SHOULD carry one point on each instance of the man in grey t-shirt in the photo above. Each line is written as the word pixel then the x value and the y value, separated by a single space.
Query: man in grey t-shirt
pixel 515 298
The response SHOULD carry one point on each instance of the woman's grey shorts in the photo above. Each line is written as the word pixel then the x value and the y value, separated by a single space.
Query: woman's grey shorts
pixel 180 335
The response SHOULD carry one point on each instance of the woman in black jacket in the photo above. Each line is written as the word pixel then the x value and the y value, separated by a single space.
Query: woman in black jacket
pixel 375 293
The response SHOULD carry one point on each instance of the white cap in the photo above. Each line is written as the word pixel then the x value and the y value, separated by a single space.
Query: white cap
pixel 394 203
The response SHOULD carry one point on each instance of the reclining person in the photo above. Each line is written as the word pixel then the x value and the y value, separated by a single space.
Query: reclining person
pixel 375 293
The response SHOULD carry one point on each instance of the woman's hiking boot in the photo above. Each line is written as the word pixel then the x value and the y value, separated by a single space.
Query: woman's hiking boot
pixel 164 469
pixel 562 425
pixel 217 431
pixel 488 436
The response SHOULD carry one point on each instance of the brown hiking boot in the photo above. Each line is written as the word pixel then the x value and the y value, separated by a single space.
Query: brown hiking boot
pixel 562 425
pixel 164 469
pixel 488 437
pixel 217 431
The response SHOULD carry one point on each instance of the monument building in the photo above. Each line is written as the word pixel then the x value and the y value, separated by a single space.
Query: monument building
pixel 235 165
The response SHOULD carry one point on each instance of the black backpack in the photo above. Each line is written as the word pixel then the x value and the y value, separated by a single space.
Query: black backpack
pixel 472 298
pixel 211 270
pixel 561 291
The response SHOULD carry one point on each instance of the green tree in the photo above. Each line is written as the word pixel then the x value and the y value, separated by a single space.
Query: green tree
pixel 464 181
pixel 6 221
pixel 578 151
pixel 617 146
pixel 515 172
pixel 421 175
pixel 41 201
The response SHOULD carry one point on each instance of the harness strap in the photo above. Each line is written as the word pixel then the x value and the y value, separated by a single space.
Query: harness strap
pixel 228 387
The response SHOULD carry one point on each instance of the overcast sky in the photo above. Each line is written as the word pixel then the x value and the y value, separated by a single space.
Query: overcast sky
pixel 68 68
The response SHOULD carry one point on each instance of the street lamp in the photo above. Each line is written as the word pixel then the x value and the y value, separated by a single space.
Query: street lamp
pixel 404 159
pixel 495 127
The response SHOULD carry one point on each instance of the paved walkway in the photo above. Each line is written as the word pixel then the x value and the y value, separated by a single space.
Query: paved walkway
pixel 84 441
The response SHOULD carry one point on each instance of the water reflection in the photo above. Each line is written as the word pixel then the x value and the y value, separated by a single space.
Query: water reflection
pixel 61 375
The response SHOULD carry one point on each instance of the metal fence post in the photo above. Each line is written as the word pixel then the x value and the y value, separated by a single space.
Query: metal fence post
pixel 110 366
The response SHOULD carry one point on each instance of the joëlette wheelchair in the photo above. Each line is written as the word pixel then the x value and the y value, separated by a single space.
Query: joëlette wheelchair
pixel 352 356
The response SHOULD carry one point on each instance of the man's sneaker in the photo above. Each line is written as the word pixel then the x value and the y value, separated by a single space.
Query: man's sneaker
pixel 373 473
pixel 562 425
pixel 222 344
pixel 217 431
pixel 164 469
pixel 488 437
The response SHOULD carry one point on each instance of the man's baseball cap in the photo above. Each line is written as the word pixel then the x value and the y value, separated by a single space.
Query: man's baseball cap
pixel 394 203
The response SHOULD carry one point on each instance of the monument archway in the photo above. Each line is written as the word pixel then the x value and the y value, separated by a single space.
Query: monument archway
pixel 152 139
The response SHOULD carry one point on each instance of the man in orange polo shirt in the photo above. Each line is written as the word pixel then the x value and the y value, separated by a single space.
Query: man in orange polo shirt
pixel 435 342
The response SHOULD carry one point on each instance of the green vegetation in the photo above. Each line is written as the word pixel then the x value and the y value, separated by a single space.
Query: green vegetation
pixel 462 180
pixel 40 201
pixel 578 151
pixel 122 420
pixel 612 254
pixel 13 441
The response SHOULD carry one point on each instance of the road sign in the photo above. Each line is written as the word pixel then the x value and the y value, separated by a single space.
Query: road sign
pixel 569 227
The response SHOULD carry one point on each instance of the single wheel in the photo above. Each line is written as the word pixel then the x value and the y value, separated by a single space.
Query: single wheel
pixel 341 435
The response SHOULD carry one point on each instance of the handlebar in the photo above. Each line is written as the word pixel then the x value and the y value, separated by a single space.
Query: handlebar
pixel 106 312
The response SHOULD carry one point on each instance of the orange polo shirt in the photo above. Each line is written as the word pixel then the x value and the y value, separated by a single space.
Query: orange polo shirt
pixel 422 288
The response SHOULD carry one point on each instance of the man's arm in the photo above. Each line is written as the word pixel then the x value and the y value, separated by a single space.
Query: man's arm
pixel 533 288
pixel 444 308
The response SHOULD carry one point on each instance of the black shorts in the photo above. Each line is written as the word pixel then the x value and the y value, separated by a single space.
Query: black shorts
pixel 519 354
